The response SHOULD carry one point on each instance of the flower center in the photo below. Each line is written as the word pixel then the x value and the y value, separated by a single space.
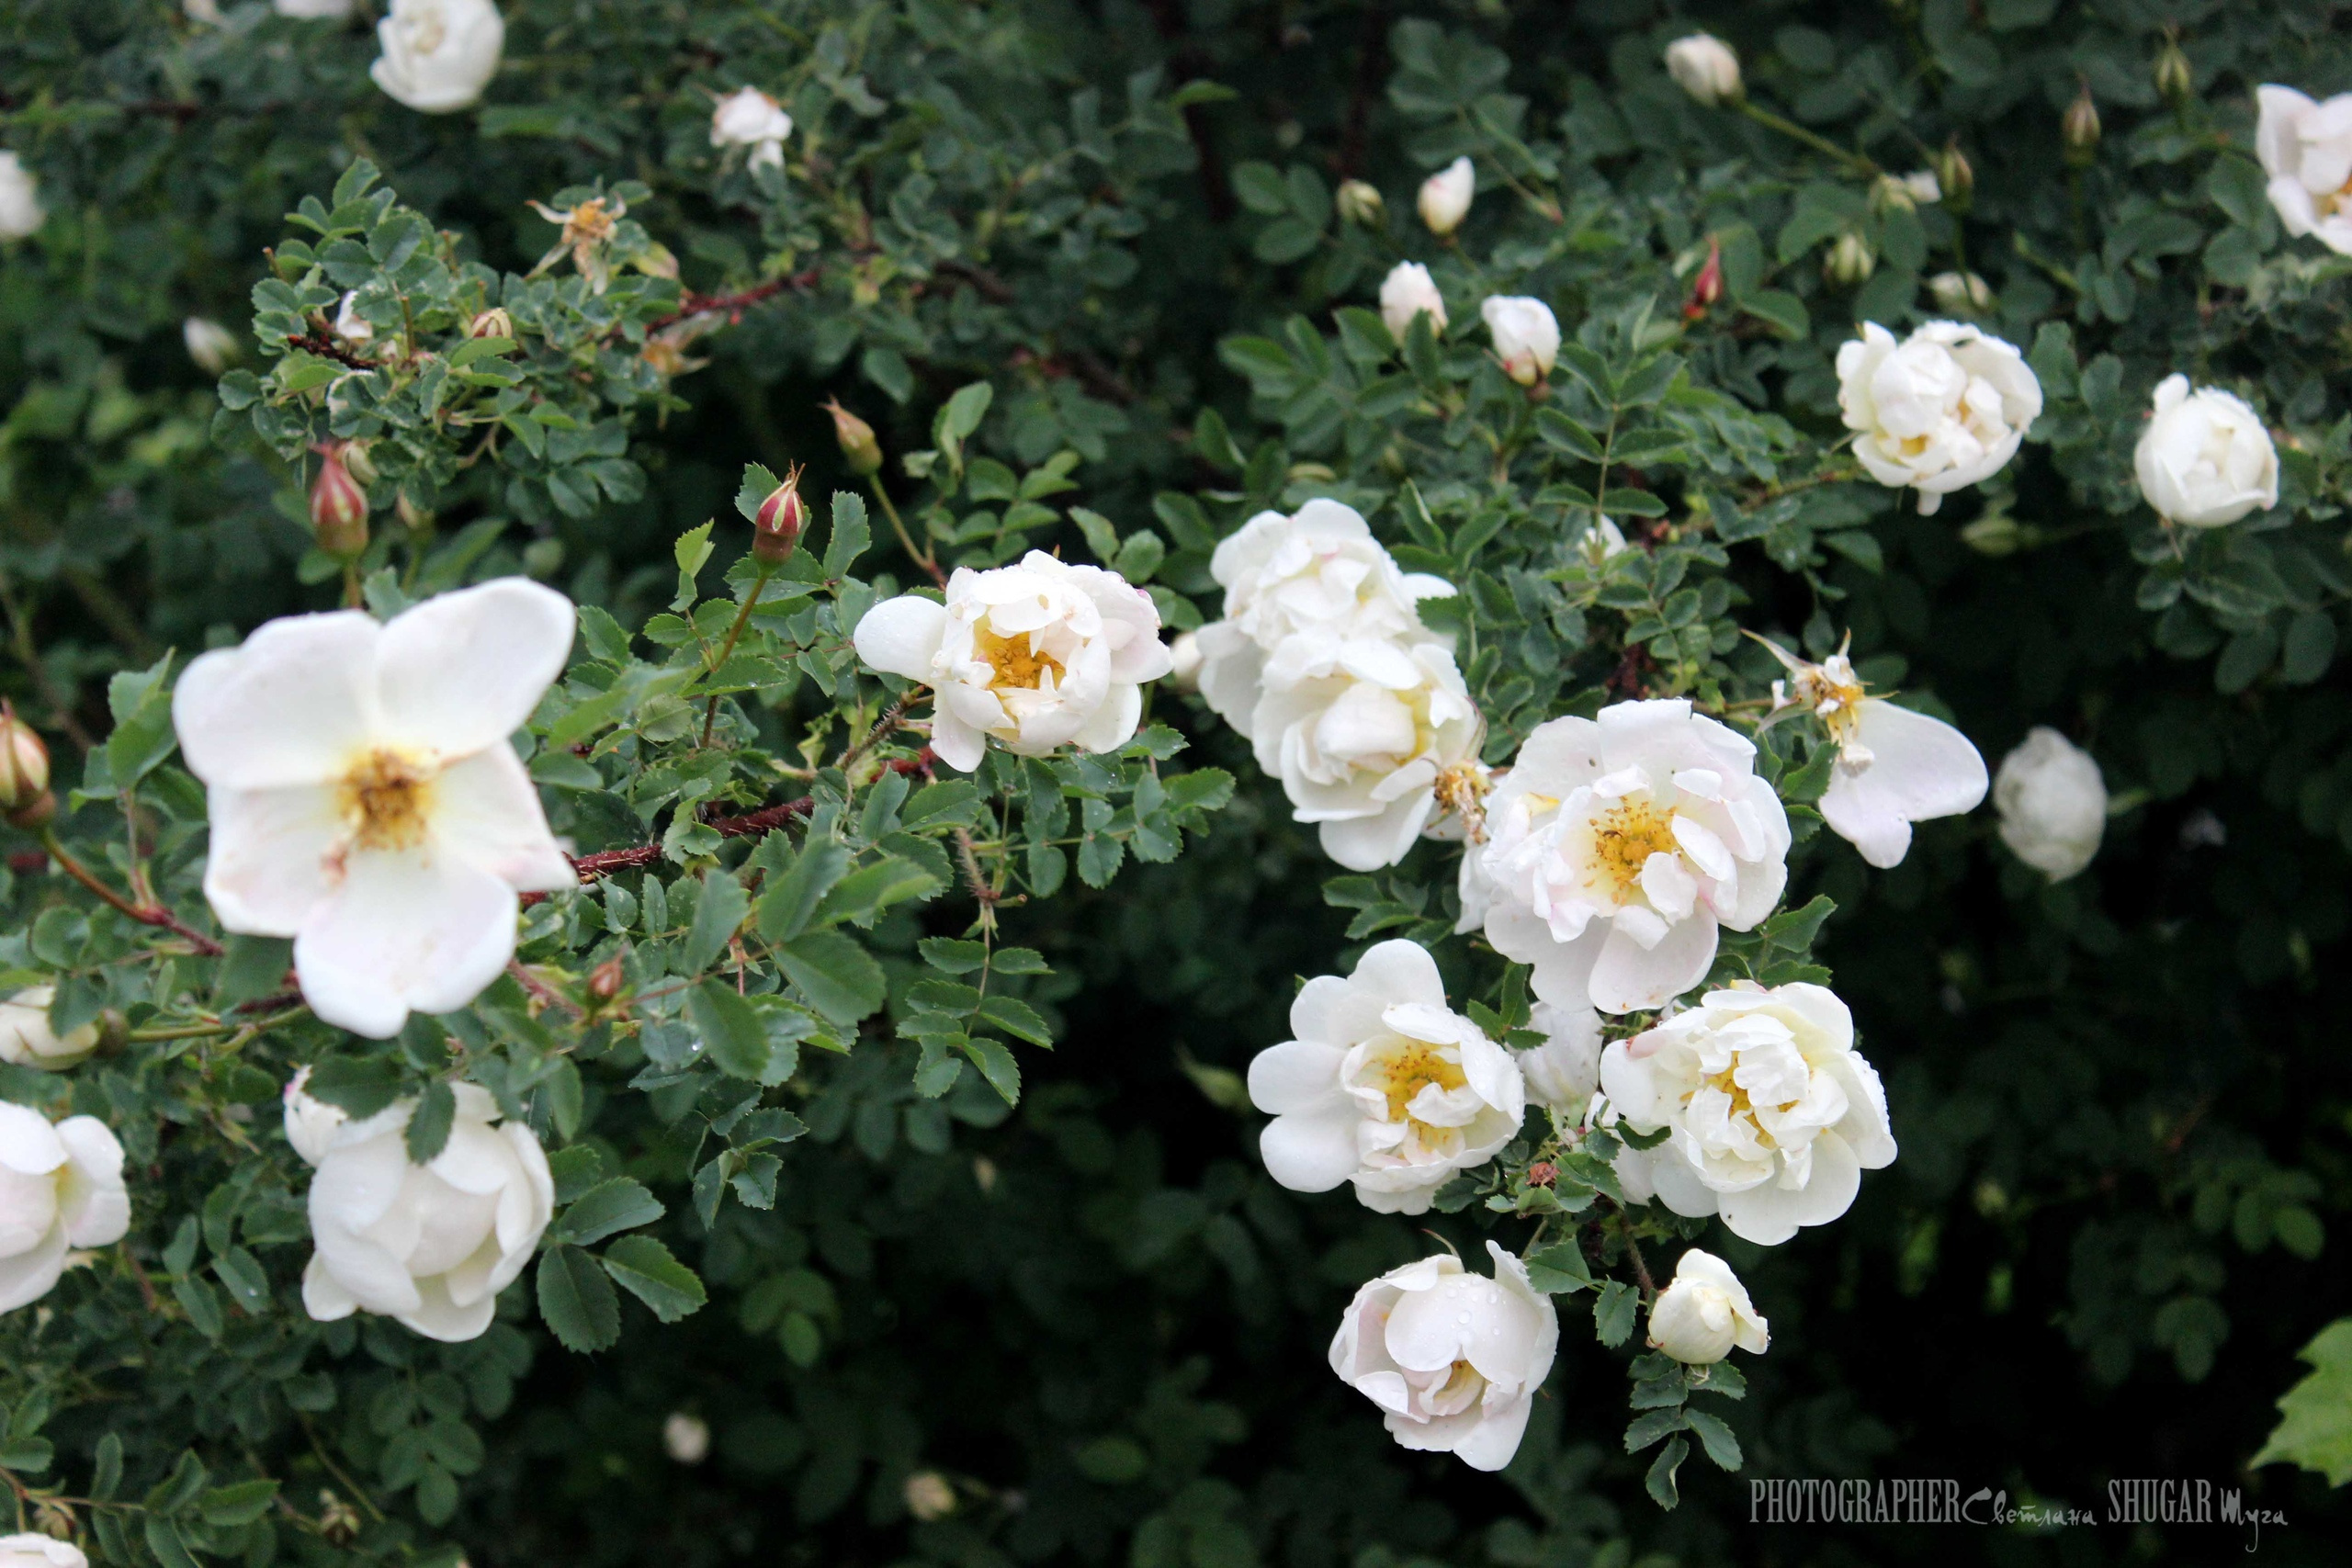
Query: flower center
pixel 1411 1066
pixel 1461 791
pixel 1623 839
pixel 384 798
pixel 1015 660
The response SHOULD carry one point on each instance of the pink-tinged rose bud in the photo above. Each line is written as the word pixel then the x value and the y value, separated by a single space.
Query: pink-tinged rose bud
pixel 24 772
pixel 777 527
pixel 338 505
pixel 1708 286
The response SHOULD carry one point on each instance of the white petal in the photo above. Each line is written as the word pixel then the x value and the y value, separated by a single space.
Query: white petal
pixel 1311 1153
pixel 439 1316
pixel 463 672
pixel 1491 1444
pixel 1401 971
pixel 486 812
pixel 1920 768
pixel 323 1296
pixel 403 932
pixel 1628 978
pixel 288 707
pixel 27 1143
pixel 268 863
pixel 28 1276
pixel 91 1202
pixel 1295 1076
pixel 1771 1214
pixel 1112 725
pixel 900 636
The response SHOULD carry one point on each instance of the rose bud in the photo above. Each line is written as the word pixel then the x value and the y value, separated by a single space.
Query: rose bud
pixel 2079 130
pixel 24 772
pixel 1359 203
pixel 493 323
pixel 338 505
pixel 1708 286
pixel 777 526
pixel 859 447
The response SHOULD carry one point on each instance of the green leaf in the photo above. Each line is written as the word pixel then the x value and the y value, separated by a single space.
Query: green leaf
pixel 620 1204
pixel 791 898
pixel 997 1065
pixel 851 535
pixel 1716 1438
pixel 1559 1269
pixel 142 704
pixel 1612 1313
pixel 1660 1482
pixel 576 1301
pixel 752 493
pixel 241 1503
pixel 952 956
pixel 644 1268
pixel 839 977
pixel 718 912
pixel 428 1126
pixel 872 888
pixel 731 1031
pixel 1113 1460
pixel 2315 1430
pixel 255 967
pixel 162 1537
pixel 359 1088
pixel 691 551
pixel 1018 1019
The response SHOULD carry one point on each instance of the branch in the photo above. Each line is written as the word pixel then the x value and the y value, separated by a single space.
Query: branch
pixel 146 914
pixel 691 304
pixel 326 347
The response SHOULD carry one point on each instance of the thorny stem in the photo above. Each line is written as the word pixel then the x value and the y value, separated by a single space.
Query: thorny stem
pixel 146 914
pixel 20 631
pixel 922 558
pixel 892 717
pixel 337 1470
pixel 1633 1250
pixel 727 648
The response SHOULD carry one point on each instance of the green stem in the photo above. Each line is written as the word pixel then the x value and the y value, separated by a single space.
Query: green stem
pixel 727 648
pixel 1854 162
pixel 922 558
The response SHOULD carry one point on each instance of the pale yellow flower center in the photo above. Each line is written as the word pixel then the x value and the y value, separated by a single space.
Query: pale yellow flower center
pixel 1623 839
pixel 1410 1068
pixel 386 798
pixel 1016 660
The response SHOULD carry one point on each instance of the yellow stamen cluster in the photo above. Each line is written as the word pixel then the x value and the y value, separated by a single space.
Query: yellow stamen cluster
pixel 384 798
pixel 1016 660
pixel 1623 839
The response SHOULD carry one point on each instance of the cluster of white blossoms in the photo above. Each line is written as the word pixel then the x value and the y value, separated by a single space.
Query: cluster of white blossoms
pixel 2306 149
pixel 1322 663
pixel 1038 655
pixel 749 118
pixel 439 55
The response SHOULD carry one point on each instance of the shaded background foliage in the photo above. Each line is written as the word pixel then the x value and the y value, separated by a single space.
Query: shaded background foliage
pixel 2123 1101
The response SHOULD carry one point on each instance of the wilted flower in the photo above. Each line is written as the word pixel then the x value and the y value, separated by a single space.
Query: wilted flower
pixel 1452 1358
pixel 1895 766
pixel 428 1245
pixel 1705 1312
pixel 1382 1085
pixel 21 213
pixel 1704 66
pixel 209 344
pixel 2053 804
pixel 588 228
pixel 1773 1115
pixel 686 1438
pixel 1939 412
pixel 60 1186
pixel 1526 334
pixel 27 1039
pixel 1620 844
pixel 1445 196
pixel 365 800
pixel 1040 654
pixel 1958 294
pixel 749 118
pixel 2205 459
pixel 438 54
pixel 1408 291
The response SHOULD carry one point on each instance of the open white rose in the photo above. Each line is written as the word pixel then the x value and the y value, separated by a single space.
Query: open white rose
pixel 749 118
pixel 1895 766
pixel 1040 654
pixel 1408 291
pixel 1526 334
pixel 1453 1360
pixel 21 213
pixel 1938 411
pixel 1703 66
pixel 429 1245
pixel 1384 1086
pixel 2306 149
pixel 1563 1072
pixel 2052 802
pixel 310 1122
pixel 1705 1312
pixel 1361 753
pixel 60 1186
pixel 438 54
pixel 1619 845
pixel 1444 200
pixel 27 1039
pixel 2205 459
pixel 365 800
pixel 1307 595
pixel 39 1551
pixel 1773 1115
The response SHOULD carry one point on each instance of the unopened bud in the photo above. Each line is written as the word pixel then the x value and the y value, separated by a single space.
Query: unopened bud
pixel 114 1032
pixel 1360 203
pixel 1542 1173
pixel 777 527
pixel 24 772
pixel 1850 262
pixel 412 514
pixel 338 506
pixel 2176 82
pixel 493 323
pixel 338 1520
pixel 605 980
pixel 359 462
pixel 859 447
pixel 1708 286
pixel 211 344
pixel 2079 130
pixel 929 1495
pixel 1960 296
pixel 1955 177
pixel 1995 534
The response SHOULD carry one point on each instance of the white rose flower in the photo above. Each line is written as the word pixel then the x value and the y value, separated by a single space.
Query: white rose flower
pixel 349 324
pixel 2306 149
pixel 2205 459
pixel 2052 802
pixel 1923 188
pixel 310 1122
pixel 1408 291
pixel 1618 845
pixel 365 800
pixel 685 1437
pixel 1939 412
pixel 1527 335
pixel 438 54
pixel 1040 654
pixel 1306 595
pixel 209 344
pixel 1703 66
pixel 60 1186
pixel 1960 294
pixel 1384 1086
pixel 1445 196
pixel 1705 1312
pixel 1563 1072
pixel 429 1245
pixel 313 10
pixel 21 213
pixel 39 1551
pixel 1362 752
pixel 749 118
pixel 27 1039
pixel 1772 1116
pixel 1453 1360
pixel 1895 766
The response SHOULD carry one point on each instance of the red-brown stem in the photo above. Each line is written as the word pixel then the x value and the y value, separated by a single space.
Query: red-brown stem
pixel 691 304
pixel 146 914
pixel 326 347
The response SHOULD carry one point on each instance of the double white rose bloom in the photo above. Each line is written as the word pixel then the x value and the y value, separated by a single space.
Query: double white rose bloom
pixel 1771 1116
pixel 1618 846
pixel 1939 412
pixel 365 800
pixel 1452 1358
pixel 1445 200
pixel 21 213
pixel 1704 1312
pixel 2053 804
pixel 1383 1086
pixel 428 1245
pixel 749 118
pixel 2306 149
pixel 1526 334
pixel 60 1186
pixel 438 54
pixel 2205 459
pixel 27 1039
pixel 1040 654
